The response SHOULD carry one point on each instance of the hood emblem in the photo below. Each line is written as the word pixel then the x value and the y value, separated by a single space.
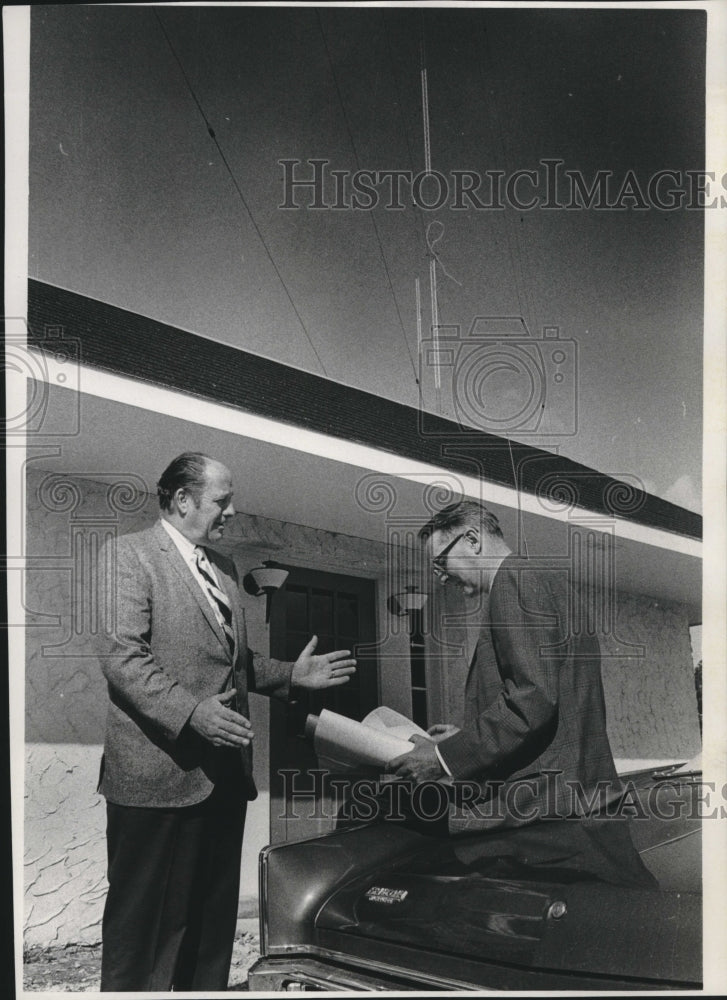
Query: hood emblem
pixel 382 894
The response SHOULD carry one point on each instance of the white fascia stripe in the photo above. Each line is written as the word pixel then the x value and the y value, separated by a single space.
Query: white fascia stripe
pixel 148 396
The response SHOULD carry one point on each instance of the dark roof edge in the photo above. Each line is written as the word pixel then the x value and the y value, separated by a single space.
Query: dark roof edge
pixel 125 343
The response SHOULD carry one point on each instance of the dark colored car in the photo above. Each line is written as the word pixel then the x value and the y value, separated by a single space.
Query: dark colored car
pixel 606 903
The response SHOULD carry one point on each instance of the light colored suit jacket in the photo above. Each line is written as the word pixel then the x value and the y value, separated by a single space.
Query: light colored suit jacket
pixel 166 654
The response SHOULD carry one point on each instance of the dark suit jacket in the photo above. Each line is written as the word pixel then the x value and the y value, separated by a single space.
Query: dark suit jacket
pixel 168 653
pixel 535 716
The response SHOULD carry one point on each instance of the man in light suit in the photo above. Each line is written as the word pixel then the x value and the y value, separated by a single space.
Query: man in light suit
pixel 534 734
pixel 177 764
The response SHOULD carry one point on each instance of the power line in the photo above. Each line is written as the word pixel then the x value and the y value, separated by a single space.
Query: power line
pixel 213 137
pixel 373 219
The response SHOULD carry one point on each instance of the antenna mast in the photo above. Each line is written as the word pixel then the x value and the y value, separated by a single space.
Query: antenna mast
pixel 432 258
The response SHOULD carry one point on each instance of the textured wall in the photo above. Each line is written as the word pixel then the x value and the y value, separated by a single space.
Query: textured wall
pixel 65 845
pixel 65 693
pixel 64 850
pixel 651 698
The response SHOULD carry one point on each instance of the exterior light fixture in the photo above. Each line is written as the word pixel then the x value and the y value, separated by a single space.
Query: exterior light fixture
pixel 265 579
pixel 410 599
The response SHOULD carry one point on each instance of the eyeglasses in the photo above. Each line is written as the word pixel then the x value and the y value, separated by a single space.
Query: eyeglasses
pixel 439 562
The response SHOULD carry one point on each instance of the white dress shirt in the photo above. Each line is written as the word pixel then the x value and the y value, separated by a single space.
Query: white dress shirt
pixel 188 552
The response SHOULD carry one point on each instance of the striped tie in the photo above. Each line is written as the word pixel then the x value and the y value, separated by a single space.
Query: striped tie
pixel 220 599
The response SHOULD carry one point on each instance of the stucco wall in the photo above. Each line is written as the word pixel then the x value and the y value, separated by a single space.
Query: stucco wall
pixel 65 845
pixel 65 693
pixel 651 698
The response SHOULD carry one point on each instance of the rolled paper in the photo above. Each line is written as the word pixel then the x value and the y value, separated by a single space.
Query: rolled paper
pixel 345 743
pixel 310 726
pixel 393 723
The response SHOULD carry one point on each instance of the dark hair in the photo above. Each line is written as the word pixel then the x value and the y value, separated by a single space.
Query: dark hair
pixel 187 471
pixel 469 512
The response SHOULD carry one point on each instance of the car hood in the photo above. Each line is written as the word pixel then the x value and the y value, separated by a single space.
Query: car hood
pixel 565 895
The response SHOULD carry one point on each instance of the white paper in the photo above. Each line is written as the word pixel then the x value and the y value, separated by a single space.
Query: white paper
pixel 344 744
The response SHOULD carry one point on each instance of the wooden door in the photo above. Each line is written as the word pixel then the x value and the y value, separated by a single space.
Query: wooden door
pixel 341 611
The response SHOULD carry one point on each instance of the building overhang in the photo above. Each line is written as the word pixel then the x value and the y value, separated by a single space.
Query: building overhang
pixel 310 451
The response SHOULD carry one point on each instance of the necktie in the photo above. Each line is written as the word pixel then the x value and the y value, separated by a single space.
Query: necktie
pixel 219 598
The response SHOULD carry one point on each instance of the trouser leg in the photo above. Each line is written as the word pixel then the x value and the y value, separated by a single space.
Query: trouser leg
pixel 173 890
pixel 206 951
pixel 145 855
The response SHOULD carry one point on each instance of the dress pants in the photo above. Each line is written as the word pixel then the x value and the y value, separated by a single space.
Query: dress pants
pixel 174 882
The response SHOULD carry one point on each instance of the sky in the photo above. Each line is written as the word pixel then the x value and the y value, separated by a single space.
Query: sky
pixel 157 141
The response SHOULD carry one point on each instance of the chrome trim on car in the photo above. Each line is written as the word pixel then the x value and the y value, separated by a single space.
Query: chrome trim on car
pixel 395 971
pixel 262 872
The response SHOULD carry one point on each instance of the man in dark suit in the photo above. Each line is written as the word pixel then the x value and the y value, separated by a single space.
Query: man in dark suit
pixel 177 764
pixel 534 734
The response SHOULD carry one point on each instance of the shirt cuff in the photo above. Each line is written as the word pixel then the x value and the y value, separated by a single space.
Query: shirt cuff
pixel 441 761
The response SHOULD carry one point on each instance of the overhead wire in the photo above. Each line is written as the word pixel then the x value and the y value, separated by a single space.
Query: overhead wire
pixel 243 200
pixel 371 214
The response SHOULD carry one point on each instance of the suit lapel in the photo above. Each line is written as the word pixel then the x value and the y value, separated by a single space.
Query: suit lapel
pixel 184 573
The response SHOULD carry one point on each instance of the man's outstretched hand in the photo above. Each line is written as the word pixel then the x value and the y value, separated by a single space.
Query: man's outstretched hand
pixel 220 725
pixel 322 671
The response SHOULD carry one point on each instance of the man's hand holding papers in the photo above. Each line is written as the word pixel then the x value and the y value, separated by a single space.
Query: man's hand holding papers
pixel 419 764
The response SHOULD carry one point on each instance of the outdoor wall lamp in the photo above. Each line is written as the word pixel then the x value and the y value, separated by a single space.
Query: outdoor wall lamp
pixel 410 599
pixel 265 579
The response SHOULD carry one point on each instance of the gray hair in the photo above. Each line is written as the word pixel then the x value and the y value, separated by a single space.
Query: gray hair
pixel 464 512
